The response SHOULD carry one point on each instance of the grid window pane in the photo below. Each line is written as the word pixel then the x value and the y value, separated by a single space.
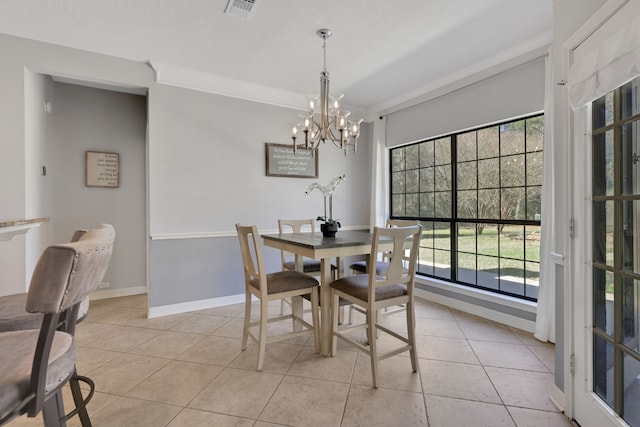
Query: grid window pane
pixel 467 267
pixel 425 261
pixel 397 205
pixel 630 315
pixel 602 218
pixel 512 203
pixel 442 263
pixel 397 159
pixel 535 133
pixel 443 177
pixel 427 154
pixel 532 279
pixel 512 276
pixel 411 157
pixel 630 237
pixel 630 158
pixel 631 409
pixel 488 272
pixel 488 239
pixel 603 164
pixel 489 204
pixel 603 295
pixel 488 143
pixel 397 182
pixel 427 205
pixel 443 151
pixel 443 204
pixel 467 175
pixel 630 98
pixel 468 204
pixel 412 184
pixel 532 243
pixel 467 238
pixel 427 179
pixel 534 168
pixel 603 111
pixel 412 205
pixel 534 203
pixel 467 147
pixel 489 173
pixel 512 242
pixel 512 138
pixel 442 236
pixel 488 189
pixel 603 369
pixel 511 168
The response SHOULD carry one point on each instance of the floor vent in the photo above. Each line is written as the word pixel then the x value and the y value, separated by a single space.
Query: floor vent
pixel 241 8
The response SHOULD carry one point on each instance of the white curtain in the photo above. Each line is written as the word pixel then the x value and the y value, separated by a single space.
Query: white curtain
pixel 545 315
pixel 611 64
pixel 379 177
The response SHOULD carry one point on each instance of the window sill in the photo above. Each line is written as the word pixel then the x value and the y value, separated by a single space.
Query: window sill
pixel 504 309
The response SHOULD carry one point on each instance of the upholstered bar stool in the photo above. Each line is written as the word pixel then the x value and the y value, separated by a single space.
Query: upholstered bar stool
pixel 37 363
pixel 14 317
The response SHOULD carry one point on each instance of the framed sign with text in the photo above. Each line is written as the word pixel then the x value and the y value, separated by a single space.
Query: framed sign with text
pixel 102 169
pixel 281 161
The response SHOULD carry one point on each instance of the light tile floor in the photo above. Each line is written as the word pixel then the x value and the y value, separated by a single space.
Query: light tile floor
pixel 188 370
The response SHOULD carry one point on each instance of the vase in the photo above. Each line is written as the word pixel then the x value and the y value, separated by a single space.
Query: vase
pixel 328 230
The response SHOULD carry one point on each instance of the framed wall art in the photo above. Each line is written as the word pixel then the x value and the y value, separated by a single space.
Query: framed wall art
pixel 281 161
pixel 102 169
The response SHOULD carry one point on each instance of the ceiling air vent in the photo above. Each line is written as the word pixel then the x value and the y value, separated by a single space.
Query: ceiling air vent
pixel 241 8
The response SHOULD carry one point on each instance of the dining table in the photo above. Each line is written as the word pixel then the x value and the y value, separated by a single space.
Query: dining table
pixel 315 245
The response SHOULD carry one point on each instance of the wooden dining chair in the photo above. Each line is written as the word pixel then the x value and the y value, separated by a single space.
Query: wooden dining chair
pixel 372 292
pixel 360 267
pixel 309 265
pixel 37 363
pixel 271 287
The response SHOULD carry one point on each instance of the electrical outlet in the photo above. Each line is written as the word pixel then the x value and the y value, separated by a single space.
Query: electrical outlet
pixel 104 285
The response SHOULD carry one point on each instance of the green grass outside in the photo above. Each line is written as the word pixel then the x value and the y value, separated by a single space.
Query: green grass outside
pixel 514 245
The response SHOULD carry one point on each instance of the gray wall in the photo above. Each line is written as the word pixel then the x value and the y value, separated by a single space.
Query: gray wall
pixel 89 119
pixel 509 94
pixel 25 137
pixel 207 173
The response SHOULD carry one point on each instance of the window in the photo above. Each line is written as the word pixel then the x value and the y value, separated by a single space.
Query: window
pixel 615 257
pixel 478 196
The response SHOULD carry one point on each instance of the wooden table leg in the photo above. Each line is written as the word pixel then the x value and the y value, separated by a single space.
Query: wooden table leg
pixel 325 306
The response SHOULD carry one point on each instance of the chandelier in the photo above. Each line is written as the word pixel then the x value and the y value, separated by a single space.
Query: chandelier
pixel 330 122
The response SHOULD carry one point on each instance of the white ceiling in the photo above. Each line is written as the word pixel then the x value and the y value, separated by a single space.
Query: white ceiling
pixel 381 52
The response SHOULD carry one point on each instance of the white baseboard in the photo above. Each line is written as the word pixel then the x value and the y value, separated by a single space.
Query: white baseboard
pixel 557 397
pixel 166 310
pixel 477 310
pixel 113 293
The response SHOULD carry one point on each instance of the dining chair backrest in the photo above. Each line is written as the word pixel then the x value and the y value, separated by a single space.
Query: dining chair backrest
pixel 294 226
pixel 393 223
pixel 402 264
pixel 64 276
pixel 252 257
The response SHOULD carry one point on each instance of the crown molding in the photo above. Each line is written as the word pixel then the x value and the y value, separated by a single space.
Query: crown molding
pixel 172 75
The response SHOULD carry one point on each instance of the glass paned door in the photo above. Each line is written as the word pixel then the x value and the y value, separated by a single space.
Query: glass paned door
pixel 615 259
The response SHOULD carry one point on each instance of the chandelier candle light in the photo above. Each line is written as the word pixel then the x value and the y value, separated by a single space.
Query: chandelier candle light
pixel 330 122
